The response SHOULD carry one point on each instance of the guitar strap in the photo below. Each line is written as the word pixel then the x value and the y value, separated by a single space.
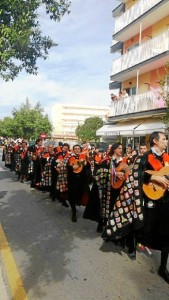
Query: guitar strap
pixel 113 172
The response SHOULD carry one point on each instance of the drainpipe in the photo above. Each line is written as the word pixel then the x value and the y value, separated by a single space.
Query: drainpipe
pixel 137 81
pixel 140 38
pixel 140 35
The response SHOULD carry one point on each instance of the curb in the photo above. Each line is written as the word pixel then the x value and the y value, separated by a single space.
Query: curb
pixel 3 286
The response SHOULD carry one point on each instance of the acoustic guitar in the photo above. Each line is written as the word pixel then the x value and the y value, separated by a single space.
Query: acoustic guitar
pixel 155 190
pixel 78 163
pixel 123 167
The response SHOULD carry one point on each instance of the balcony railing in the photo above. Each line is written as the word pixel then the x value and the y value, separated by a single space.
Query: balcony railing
pixel 141 53
pixel 134 13
pixel 114 42
pixel 137 103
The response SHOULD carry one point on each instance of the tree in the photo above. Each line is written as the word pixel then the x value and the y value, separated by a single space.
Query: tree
pixel 6 127
pixel 27 122
pixel 21 40
pixel 165 93
pixel 87 131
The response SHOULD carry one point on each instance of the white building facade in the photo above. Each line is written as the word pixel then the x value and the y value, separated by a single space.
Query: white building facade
pixel 66 118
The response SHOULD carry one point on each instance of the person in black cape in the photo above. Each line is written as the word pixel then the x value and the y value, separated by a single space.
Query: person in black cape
pixel 155 231
pixel 79 176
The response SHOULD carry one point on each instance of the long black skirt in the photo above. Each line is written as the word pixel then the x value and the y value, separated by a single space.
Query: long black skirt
pixel 155 231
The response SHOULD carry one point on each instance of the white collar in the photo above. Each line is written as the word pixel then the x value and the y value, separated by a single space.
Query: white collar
pixel 156 152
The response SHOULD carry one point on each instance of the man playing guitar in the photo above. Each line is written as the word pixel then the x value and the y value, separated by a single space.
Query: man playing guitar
pixel 79 174
pixel 155 232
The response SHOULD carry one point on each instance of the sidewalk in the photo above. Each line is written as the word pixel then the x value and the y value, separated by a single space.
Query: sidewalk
pixel 3 288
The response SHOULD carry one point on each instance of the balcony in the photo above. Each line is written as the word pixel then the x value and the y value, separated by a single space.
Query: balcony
pixel 115 85
pixel 119 10
pixel 146 11
pixel 116 47
pixel 137 103
pixel 142 57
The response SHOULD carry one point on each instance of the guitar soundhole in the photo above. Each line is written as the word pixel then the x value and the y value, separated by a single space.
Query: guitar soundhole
pixel 154 188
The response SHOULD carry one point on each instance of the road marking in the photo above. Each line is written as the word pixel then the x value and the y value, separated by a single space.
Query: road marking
pixel 15 282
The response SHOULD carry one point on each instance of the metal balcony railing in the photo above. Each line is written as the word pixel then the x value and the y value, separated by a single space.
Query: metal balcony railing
pixel 148 50
pixel 137 103
pixel 133 13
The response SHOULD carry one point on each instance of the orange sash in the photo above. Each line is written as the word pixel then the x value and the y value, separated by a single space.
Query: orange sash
pixel 157 164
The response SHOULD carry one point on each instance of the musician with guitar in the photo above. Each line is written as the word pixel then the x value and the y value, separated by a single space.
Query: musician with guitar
pixel 78 177
pixel 154 177
pixel 109 179
pixel 33 155
pixel 60 174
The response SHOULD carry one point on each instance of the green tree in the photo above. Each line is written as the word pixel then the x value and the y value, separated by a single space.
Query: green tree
pixel 21 39
pixel 87 131
pixel 165 93
pixel 6 127
pixel 29 122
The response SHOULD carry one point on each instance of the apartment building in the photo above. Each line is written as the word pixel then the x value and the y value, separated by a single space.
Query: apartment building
pixel 141 47
pixel 66 118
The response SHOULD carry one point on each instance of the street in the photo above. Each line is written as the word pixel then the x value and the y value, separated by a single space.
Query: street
pixel 61 260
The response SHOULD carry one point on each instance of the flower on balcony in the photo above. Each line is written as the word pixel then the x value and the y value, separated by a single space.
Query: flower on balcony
pixel 159 101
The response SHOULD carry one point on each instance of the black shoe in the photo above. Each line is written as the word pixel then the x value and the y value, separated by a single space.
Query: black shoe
pixel 164 274
pixel 65 204
pixel 99 227
pixel 132 252
pixel 132 255
pixel 74 218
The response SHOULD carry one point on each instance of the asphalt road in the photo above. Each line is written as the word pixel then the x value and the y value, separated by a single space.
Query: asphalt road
pixel 61 260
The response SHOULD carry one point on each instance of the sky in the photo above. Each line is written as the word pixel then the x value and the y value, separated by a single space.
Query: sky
pixel 78 70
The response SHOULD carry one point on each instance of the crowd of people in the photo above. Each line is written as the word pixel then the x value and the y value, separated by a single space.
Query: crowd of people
pixel 126 194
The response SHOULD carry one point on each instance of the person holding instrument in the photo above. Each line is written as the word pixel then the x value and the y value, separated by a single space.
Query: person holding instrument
pixel 78 177
pixel 155 231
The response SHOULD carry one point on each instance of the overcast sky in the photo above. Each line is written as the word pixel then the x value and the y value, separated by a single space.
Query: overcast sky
pixel 77 70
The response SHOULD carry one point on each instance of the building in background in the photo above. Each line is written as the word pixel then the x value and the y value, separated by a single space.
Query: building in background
pixel 141 47
pixel 66 118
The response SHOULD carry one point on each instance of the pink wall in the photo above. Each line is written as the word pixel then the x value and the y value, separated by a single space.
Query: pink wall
pixel 146 35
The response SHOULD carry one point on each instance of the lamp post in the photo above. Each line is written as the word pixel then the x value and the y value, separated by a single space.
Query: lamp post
pixel 134 132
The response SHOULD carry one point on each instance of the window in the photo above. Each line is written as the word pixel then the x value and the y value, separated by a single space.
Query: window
pixel 131 90
pixel 134 141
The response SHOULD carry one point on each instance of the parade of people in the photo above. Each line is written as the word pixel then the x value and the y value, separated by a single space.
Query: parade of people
pixel 127 195
pixel 84 150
